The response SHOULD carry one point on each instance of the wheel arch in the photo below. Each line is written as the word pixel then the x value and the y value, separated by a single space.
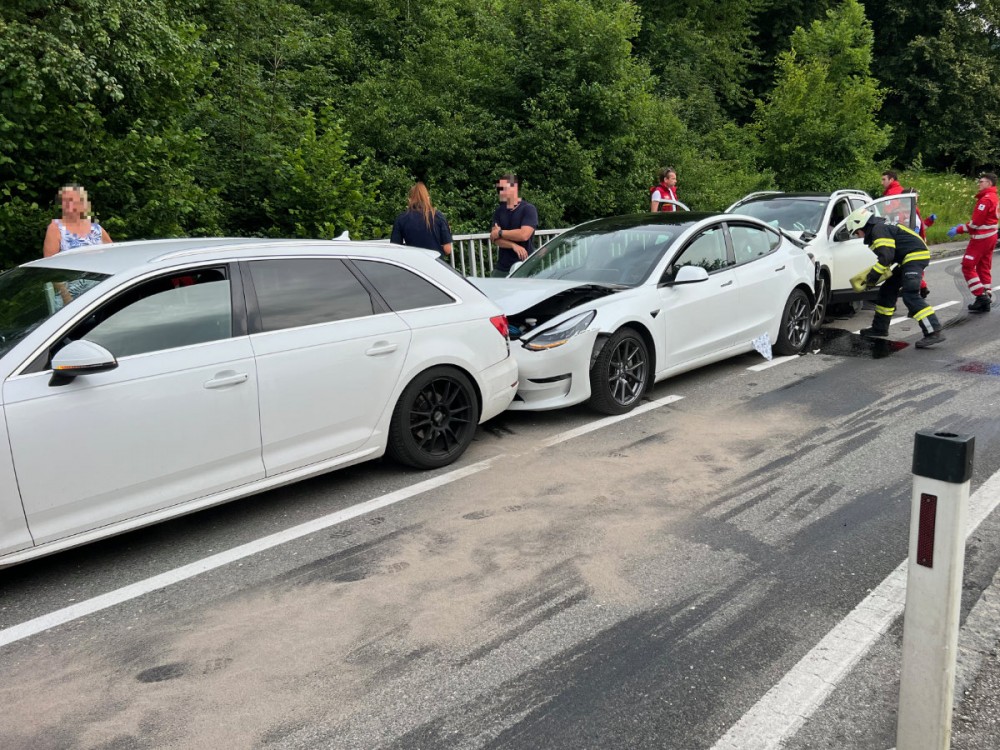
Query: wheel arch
pixel 454 366
pixel 810 293
pixel 644 333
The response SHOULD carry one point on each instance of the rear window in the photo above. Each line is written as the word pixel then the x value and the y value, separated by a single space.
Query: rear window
pixel 400 288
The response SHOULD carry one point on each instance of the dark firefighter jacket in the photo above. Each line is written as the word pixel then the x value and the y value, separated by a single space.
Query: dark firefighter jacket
pixel 893 243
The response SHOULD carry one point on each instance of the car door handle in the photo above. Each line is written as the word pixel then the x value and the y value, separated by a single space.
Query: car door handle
pixel 779 269
pixel 382 347
pixel 727 283
pixel 224 379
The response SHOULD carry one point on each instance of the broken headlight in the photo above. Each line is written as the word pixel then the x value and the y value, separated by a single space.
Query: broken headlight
pixel 560 334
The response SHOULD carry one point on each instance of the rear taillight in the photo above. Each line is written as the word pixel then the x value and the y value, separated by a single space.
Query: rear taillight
pixel 500 323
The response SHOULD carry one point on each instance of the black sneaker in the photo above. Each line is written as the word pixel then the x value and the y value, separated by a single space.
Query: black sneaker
pixel 873 333
pixel 930 340
pixel 981 305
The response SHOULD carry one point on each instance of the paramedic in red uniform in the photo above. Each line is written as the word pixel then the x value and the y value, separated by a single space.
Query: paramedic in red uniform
pixel 664 190
pixel 982 230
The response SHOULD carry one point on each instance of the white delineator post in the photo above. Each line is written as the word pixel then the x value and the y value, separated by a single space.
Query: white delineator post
pixel 942 468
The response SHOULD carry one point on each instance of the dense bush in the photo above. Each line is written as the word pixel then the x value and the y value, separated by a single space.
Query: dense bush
pixel 309 117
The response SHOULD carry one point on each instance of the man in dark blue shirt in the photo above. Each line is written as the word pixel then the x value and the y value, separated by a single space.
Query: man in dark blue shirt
pixel 514 224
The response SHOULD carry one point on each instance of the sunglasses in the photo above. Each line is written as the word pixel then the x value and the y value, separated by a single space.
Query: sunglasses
pixel 500 188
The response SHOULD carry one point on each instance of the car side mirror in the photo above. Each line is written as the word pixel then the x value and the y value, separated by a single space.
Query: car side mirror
pixel 842 235
pixel 80 358
pixel 687 275
pixel 514 267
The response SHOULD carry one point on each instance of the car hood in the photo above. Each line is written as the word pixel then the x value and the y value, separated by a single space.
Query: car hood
pixel 517 295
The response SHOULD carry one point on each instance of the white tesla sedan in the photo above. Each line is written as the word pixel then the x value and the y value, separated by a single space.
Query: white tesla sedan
pixel 144 380
pixel 611 306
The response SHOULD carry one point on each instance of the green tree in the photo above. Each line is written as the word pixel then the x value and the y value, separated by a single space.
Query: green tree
pixel 701 54
pixel 772 28
pixel 317 191
pixel 98 92
pixel 940 64
pixel 818 127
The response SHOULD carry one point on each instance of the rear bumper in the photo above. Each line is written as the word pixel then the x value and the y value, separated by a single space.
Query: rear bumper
pixel 499 384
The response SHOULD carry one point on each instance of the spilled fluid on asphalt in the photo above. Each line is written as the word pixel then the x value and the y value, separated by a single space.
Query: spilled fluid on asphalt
pixel 979 368
pixel 843 343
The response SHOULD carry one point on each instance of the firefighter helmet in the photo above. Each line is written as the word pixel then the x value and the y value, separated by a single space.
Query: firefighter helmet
pixel 858 219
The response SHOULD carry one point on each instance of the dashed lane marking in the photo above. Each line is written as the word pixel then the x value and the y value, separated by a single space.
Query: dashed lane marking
pixel 601 423
pixel 772 363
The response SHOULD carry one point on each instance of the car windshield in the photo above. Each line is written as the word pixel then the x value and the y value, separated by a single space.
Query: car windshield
pixel 791 214
pixel 30 296
pixel 602 254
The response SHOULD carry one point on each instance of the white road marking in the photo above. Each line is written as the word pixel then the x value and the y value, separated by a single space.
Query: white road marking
pixel 900 319
pixel 133 591
pixel 600 423
pixel 936 308
pixel 785 707
pixel 772 363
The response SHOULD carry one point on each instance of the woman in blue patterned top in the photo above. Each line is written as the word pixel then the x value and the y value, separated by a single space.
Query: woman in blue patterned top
pixel 76 229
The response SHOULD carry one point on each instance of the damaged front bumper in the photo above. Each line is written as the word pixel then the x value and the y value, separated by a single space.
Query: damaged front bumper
pixel 554 378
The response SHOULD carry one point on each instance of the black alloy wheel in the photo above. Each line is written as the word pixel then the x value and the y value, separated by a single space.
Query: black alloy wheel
pixel 795 324
pixel 620 374
pixel 434 420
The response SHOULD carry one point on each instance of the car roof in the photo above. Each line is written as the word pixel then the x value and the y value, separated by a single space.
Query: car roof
pixel 119 257
pixel 630 221
pixel 796 196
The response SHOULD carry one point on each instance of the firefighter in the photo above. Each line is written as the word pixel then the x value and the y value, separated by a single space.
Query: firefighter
pixel 977 264
pixel 900 245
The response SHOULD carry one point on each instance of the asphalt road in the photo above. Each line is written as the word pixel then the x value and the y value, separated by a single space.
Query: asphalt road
pixel 639 585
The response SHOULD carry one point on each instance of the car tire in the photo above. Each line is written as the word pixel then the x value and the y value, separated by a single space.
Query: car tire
pixel 620 374
pixel 434 420
pixel 793 335
pixel 822 303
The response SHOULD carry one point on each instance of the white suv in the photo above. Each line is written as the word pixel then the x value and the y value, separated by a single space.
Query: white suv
pixel 818 220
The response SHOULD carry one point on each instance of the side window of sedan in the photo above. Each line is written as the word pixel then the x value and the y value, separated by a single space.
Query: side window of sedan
pixel 707 250
pixel 180 309
pixel 400 288
pixel 295 292
pixel 751 243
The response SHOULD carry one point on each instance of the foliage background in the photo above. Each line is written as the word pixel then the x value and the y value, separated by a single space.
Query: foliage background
pixel 311 117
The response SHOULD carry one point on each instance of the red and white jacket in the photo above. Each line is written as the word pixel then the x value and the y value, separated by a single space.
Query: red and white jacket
pixel 661 193
pixel 985 216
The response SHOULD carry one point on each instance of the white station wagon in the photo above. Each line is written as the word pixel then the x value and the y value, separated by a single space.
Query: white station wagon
pixel 140 381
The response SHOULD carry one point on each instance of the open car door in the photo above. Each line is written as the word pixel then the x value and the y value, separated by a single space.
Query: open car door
pixel 851 255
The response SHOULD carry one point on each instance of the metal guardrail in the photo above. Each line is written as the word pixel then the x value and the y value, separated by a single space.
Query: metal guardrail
pixel 475 255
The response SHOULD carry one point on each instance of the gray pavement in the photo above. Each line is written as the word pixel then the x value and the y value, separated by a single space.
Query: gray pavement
pixel 861 713
pixel 976 717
